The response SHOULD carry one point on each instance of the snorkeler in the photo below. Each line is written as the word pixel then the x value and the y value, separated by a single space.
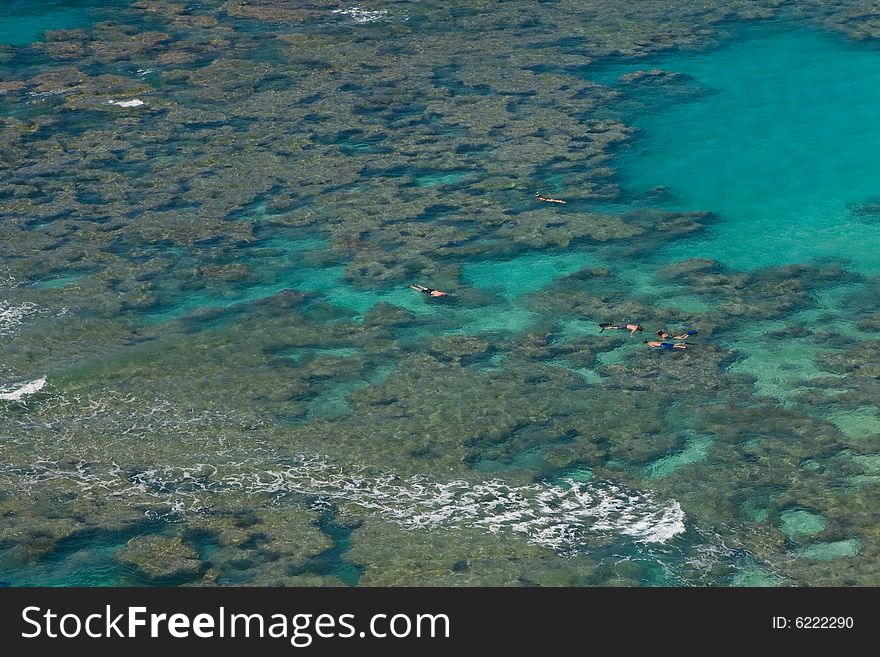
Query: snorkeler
pixel 539 196
pixel 632 328
pixel 668 345
pixel 663 335
pixel 429 291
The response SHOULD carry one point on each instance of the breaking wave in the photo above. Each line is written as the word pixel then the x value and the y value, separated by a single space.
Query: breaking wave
pixel 230 455
pixel 12 316
pixel 362 16
pixel 557 516
pixel 18 394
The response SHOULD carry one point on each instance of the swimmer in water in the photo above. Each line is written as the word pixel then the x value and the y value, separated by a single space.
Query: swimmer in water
pixel 539 196
pixel 429 291
pixel 667 345
pixel 632 328
pixel 663 335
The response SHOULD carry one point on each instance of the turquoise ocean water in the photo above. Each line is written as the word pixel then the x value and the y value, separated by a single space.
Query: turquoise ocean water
pixel 213 284
pixel 24 21
pixel 782 146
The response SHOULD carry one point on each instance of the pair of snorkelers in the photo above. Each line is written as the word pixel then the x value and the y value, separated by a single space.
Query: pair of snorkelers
pixel 656 344
pixel 431 292
pixel 663 335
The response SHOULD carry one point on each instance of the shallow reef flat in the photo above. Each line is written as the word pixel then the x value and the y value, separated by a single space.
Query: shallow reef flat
pixel 210 213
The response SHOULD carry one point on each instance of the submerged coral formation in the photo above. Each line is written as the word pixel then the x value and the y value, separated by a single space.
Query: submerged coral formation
pixel 210 216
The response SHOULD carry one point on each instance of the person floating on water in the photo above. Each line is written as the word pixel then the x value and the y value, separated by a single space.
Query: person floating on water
pixel 632 328
pixel 668 345
pixel 663 335
pixel 547 199
pixel 429 291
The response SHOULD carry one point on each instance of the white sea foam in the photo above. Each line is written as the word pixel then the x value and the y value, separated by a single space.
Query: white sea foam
pixel 135 102
pixel 561 516
pixel 37 96
pixel 18 394
pixel 361 16
pixel 12 315
pixel 555 516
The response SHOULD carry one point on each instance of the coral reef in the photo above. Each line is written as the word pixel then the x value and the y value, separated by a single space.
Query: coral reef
pixel 213 283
